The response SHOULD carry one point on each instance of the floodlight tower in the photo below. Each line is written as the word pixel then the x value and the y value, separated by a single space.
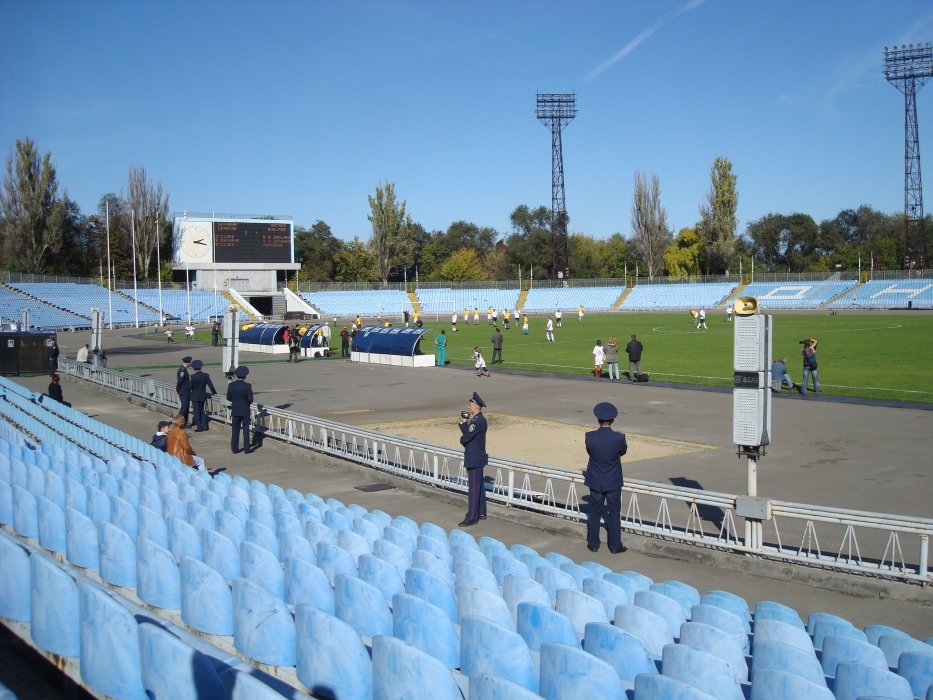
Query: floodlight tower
pixel 555 111
pixel 908 68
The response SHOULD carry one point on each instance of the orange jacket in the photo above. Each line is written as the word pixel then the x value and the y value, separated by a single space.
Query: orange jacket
pixel 179 446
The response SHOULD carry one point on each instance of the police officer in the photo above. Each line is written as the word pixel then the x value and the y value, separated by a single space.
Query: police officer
pixel 240 396
pixel 605 447
pixel 183 388
pixel 200 383
pixel 473 438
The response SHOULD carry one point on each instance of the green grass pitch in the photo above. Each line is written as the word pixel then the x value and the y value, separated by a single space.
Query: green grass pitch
pixel 873 355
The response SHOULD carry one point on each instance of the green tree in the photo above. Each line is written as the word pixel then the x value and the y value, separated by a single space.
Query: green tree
pixel 717 218
pixel 529 244
pixel 316 249
pixel 462 266
pixel 31 214
pixel 355 263
pixel 650 234
pixel 392 241
pixel 587 256
pixel 618 257
pixel 496 264
pixel 148 207
pixel 682 255
pixel 784 241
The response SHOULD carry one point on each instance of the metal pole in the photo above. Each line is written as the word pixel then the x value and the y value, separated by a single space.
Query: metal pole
pixel 109 274
pixel 135 292
pixel 159 264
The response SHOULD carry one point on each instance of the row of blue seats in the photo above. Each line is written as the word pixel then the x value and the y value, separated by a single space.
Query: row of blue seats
pixel 567 299
pixel 79 299
pixel 796 295
pixel 41 315
pixel 203 305
pixel 340 574
pixel 444 300
pixel 385 302
pixel 667 297
pixel 886 294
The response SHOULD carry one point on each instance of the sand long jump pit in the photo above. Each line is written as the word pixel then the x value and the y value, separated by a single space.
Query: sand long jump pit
pixel 544 442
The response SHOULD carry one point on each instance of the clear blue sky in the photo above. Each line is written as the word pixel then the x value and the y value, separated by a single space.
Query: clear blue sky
pixel 303 107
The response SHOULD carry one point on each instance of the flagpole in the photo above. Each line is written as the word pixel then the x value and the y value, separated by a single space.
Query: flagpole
pixel 135 293
pixel 109 274
pixel 159 263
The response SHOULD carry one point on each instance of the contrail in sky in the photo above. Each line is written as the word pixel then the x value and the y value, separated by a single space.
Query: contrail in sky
pixel 642 37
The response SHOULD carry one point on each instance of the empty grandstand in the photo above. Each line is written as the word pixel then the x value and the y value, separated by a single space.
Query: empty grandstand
pixel 796 295
pixel 370 302
pixel 81 298
pixel 569 298
pixel 677 297
pixel 41 315
pixel 175 303
pixel 143 578
pixel 444 300
pixel 889 294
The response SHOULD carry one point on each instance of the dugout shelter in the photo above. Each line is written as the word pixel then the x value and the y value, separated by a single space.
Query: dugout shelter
pixel 390 346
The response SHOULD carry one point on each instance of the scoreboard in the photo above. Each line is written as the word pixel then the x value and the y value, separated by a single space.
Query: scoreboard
pixel 256 241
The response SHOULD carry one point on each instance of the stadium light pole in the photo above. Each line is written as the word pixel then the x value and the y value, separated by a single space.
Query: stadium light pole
pixel 555 111
pixel 135 290
pixel 159 263
pixel 109 274
pixel 908 68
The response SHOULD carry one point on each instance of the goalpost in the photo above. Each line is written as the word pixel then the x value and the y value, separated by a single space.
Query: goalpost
pixel 439 307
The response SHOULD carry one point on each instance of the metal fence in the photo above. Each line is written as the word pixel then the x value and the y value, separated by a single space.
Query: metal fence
pixel 881 545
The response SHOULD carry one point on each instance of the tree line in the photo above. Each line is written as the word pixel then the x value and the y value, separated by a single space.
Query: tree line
pixel 43 231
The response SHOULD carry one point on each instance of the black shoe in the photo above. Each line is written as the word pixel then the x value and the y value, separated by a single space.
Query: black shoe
pixel 467 523
pixel 199 430
pixel 482 517
pixel 618 550
pixel 592 547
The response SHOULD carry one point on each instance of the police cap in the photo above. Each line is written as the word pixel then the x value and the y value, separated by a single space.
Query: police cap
pixel 197 364
pixel 241 371
pixel 477 399
pixel 605 411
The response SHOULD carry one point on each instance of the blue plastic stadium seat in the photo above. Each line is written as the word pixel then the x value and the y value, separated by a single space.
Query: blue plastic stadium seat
pixel 332 661
pixel 538 624
pixel 117 556
pixel 183 538
pixel 837 650
pixel 488 686
pixel 152 526
pixel 206 598
pixel 264 629
pixel 361 606
pixel 626 654
pixel 713 640
pixel 578 572
pixel 368 530
pixel 230 527
pixel 236 507
pixel 400 538
pixel 522 589
pixel 150 498
pixel 54 607
pixel 580 609
pixel 123 515
pixel 220 553
pixel 109 653
pixel 55 488
pixel 173 669
pixel 159 580
pixel 52 530
pixel 553 580
pixel 75 495
pixel 916 667
pixel 81 545
pixel 701 669
pixel 724 620
pixel 306 584
pixel 439 549
pixel 432 589
pixel 874 632
pixel 835 628
pixel 607 593
pixel 393 554
pixel 664 606
pixel 262 567
pixel 568 673
pixel 478 576
pixel 334 560
pixel 649 627
pixel 380 574
pixel 854 680
pixel 656 687
pixel 401 670
pixel 731 602
pixel 777 631
pixel 423 625
pixel 771 610
pixel 486 647
pixel 686 595
pixel 199 516
pixel 893 646
pixel 352 543
pixel 296 545
pixel 815 617
pixel 778 656
pixel 502 566
pixel 14 580
pixel 478 602
pixel 25 513
pixel 640 581
pixel 773 684
pixel 424 560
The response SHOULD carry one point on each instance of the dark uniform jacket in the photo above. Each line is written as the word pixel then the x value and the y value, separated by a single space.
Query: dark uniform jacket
pixel 473 440
pixel 200 383
pixel 183 381
pixel 605 447
pixel 634 350
pixel 240 396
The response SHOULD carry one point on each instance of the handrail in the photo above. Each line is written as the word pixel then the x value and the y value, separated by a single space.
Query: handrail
pixel 872 544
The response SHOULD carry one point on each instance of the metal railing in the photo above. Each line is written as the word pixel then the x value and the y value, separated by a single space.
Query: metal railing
pixel 885 546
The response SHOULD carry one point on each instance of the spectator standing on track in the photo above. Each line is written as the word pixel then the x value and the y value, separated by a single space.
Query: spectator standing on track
pixel 440 355
pixel 200 383
pixel 599 357
pixel 634 350
pixel 612 357
pixel 54 352
pixel 605 448
pixel 809 365
pixel 344 342
pixel 215 334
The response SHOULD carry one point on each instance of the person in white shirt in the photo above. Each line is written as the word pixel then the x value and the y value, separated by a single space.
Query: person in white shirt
pixel 453 322
pixel 558 316
pixel 701 319
pixel 549 331
pixel 83 353
pixel 599 357
pixel 480 363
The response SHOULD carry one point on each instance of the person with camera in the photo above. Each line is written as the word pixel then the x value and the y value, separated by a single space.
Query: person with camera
pixel 809 365
pixel 473 428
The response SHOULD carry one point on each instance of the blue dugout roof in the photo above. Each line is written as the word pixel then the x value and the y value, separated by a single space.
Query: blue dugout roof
pixel 388 341
pixel 308 335
pixel 263 334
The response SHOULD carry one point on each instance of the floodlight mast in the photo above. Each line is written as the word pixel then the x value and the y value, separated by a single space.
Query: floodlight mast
pixel 555 111
pixel 908 68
